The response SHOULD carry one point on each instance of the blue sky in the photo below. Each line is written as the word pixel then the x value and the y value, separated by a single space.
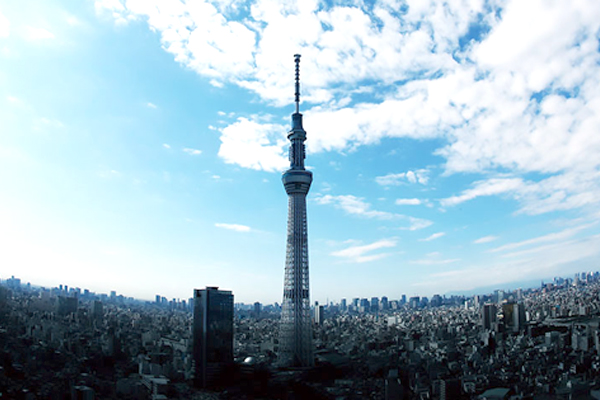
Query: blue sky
pixel 454 144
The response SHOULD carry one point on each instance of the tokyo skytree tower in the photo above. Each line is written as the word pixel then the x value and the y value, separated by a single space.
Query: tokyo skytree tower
pixel 295 329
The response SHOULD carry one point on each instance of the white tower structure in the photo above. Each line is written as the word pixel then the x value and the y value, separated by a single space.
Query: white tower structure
pixel 295 329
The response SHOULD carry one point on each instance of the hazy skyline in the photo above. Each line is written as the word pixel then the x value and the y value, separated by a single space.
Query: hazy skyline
pixel 454 145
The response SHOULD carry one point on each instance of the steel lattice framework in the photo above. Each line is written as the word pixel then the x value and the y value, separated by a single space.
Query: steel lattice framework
pixel 295 329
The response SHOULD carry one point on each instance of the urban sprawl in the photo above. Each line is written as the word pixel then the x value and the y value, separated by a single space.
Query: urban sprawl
pixel 539 343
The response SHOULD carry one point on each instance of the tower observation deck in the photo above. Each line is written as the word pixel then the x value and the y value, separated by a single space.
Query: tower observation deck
pixel 295 329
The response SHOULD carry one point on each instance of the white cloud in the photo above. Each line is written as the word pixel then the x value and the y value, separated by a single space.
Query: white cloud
pixel 196 33
pixel 569 190
pixel 432 261
pixel 4 26
pixel 254 145
pixel 33 33
pixel 485 239
pixel 485 188
pixel 521 97
pixel 357 206
pixel 109 173
pixel 551 237
pixel 354 205
pixel 72 20
pixel 234 227
pixel 433 237
pixel 14 100
pixel 434 258
pixel 166 146
pixel 556 260
pixel 151 105
pixel 192 152
pixel 408 202
pixel 52 122
pixel 417 223
pixel 558 192
pixel 421 176
pixel 358 253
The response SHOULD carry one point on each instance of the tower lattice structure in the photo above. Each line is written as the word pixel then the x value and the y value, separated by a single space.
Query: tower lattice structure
pixel 295 329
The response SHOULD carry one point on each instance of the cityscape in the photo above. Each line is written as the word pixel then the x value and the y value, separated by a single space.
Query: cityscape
pixel 449 174
pixel 533 343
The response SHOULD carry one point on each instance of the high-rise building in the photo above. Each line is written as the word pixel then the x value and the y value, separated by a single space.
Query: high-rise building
pixel 393 386
pixel 319 310
pixel 82 393
pixel 257 309
pixel 519 294
pixel 66 305
pixel 213 334
pixel 13 283
pixel 450 388
pixel 499 296
pixel 3 297
pixel 343 305
pixel 414 301
pixel 384 303
pixel 488 316
pixel 364 306
pixel 295 329
pixel 519 317
pixel 97 311
pixel 374 304
pixel 513 316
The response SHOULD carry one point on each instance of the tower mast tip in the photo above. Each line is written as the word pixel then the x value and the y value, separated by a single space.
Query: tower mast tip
pixel 297 94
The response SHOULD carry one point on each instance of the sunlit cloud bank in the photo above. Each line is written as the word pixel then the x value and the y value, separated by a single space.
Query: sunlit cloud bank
pixel 508 87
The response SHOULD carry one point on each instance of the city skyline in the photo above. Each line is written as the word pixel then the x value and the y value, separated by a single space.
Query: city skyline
pixel 454 146
pixel 403 298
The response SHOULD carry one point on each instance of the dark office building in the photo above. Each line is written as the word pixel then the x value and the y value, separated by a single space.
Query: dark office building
pixel 450 389
pixel 97 311
pixel 66 305
pixel 393 386
pixel 488 316
pixel 213 334
pixel 514 316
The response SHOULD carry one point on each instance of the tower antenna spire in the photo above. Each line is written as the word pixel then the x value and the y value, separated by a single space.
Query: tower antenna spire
pixel 297 94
